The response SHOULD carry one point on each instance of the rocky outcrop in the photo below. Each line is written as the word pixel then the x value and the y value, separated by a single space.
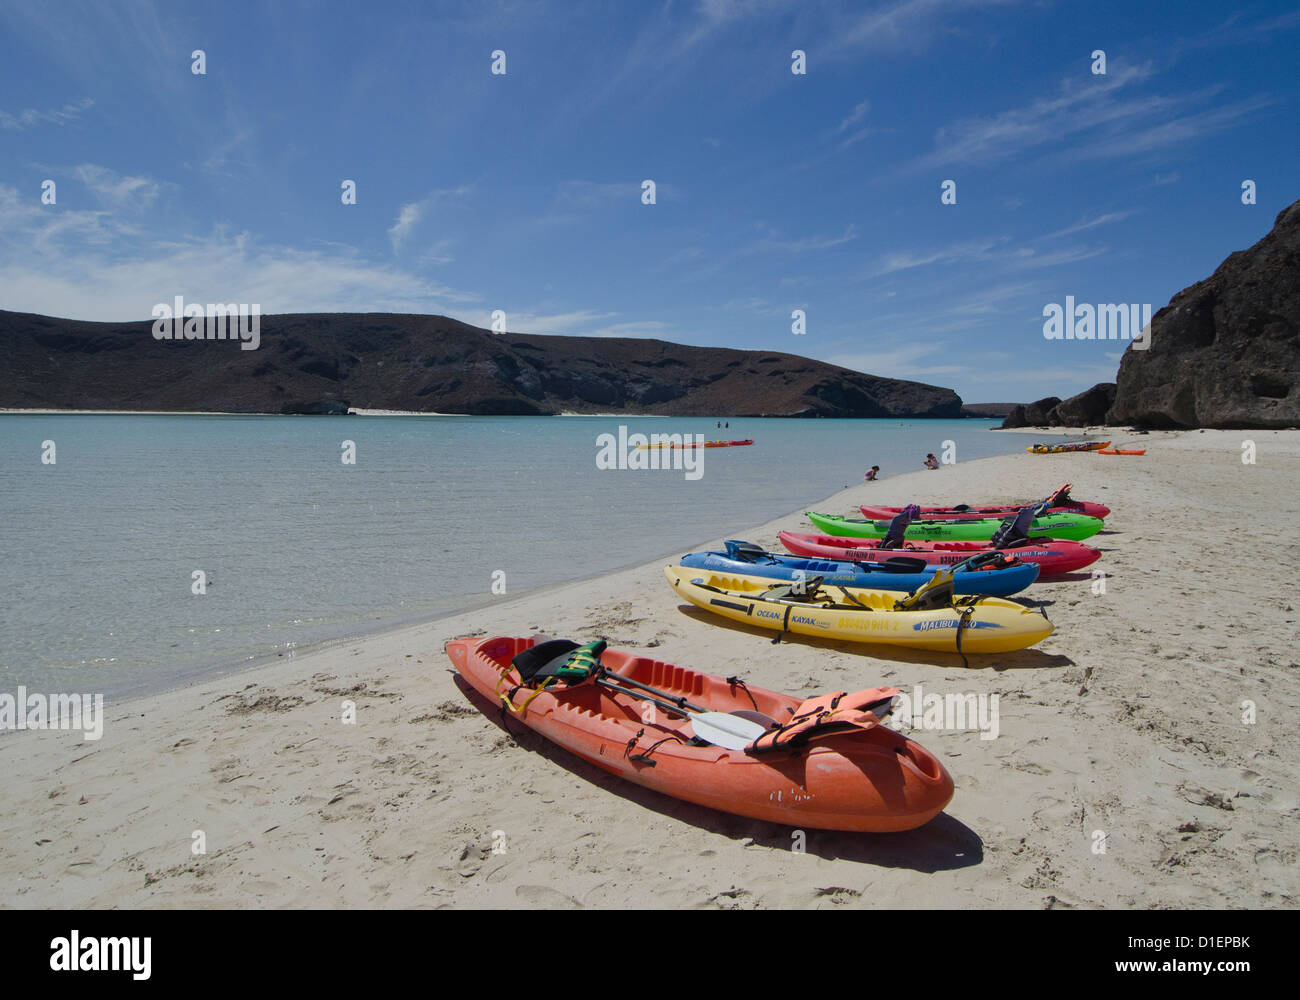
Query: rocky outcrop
pixel 1226 351
pixel 324 363
pixel 1032 414
pixel 1084 410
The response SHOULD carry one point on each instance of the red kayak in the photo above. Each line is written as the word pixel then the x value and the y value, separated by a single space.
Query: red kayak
pixel 1053 555
pixel 1061 503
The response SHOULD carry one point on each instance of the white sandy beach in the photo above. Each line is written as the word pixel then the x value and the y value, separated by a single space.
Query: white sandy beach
pixel 1128 722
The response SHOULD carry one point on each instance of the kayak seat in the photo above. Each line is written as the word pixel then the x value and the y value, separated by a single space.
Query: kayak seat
pixel 529 662
pixel 935 593
pixel 745 551
pixel 547 663
pixel 1013 528
pixel 805 590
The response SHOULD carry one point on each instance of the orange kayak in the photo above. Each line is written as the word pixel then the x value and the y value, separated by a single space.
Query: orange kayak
pixel 1121 451
pixel 867 779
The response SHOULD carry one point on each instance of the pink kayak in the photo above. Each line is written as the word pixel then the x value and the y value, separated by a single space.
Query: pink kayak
pixel 1053 555
pixel 964 513
pixel 1060 502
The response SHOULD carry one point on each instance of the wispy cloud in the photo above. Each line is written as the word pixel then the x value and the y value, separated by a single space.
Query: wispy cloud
pixel 773 241
pixel 407 218
pixel 852 124
pixel 30 117
pixel 714 15
pixel 855 116
pixel 115 191
pixel 903 24
pixel 440 253
pixel 971 250
pixel 1075 109
pixel 1090 120
pixel 518 321
pixel 592 194
pixel 410 215
pixel 997 251
pixel 1084 225
pixel 95 265
pixel 578 323
pixel 908 361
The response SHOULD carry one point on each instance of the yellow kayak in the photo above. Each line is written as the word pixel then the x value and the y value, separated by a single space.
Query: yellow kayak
pixel 970 625
pixel 1058 449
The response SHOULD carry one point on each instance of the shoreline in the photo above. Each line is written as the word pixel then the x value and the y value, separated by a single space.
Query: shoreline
pixel 1100 730
pixel 388 627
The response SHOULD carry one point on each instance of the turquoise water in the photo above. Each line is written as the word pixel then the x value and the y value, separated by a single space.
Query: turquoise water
pixel 97 551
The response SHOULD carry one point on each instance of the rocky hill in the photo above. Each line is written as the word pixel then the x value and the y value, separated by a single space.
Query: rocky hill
pixel 1084 410
pixel 1226 351
pixel 323 363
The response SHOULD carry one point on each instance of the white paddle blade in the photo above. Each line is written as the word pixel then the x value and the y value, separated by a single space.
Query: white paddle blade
pixel 727 731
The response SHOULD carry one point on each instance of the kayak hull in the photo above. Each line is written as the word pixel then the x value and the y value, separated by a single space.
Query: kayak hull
pixel 869 576
pixel 994 626
pixel 1074 527
pixel 1053 556
pixel 870 781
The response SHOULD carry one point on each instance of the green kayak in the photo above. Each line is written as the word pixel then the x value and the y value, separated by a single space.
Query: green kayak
pixel 1075 527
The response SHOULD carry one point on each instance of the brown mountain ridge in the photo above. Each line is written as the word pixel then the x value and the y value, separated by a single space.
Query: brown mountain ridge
pixel 328 362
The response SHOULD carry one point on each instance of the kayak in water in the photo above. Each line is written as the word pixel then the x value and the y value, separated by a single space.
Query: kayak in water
pixel 703 444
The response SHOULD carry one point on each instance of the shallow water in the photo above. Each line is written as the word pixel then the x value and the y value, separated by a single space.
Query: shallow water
pixel 97 551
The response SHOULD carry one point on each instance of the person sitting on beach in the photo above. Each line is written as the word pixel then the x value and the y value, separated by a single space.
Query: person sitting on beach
pixel 873 473
pixel 931 462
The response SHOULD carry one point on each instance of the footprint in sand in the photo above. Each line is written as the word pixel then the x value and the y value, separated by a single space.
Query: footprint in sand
pixel 544 897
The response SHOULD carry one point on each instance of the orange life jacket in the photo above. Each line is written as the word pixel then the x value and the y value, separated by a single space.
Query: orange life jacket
pixel 825 715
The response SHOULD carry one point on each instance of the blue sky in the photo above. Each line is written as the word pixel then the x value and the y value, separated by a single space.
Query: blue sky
pixel 775 191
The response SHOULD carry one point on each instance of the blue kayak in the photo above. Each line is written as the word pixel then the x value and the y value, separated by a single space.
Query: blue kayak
pixel 891 573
